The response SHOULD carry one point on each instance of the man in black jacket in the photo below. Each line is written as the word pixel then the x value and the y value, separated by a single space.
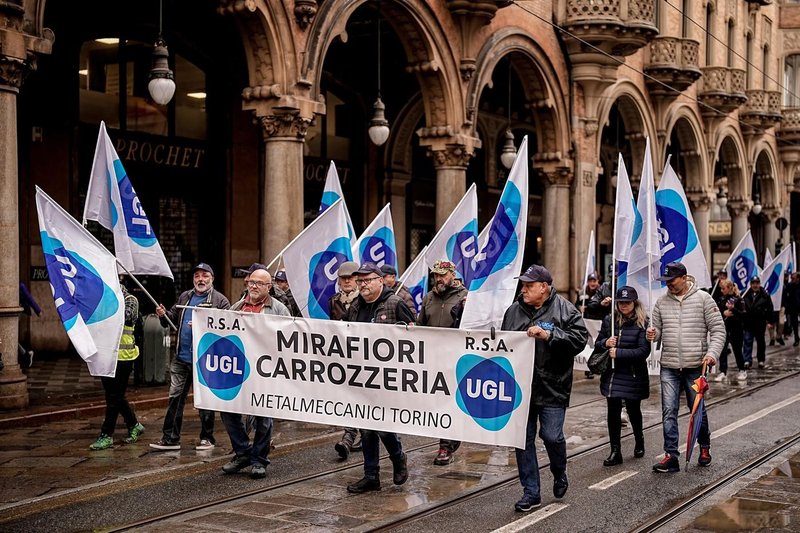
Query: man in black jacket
pixel 791 301
pixel 757 306
pixel 560 335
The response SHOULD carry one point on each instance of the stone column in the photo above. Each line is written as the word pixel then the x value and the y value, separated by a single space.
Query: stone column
pixel 770 231
pixel 555 233
pixel 451 179
pixel 701 212
pixel 738 209
pixel 282 194
pixel 396 187
pixel 13 383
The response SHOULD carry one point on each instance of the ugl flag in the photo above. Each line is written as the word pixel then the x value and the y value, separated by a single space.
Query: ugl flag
pixel 644 264
pixel 625 216
pixel 679 241
pixel 590 262
pixel 85 284
pixel 772 276
pixel 113 203
pixel 333 192
pixel 312 261
pixel 377 244
pixel 457 239
pixel 742 265
pixel 415 279
pixel 494 284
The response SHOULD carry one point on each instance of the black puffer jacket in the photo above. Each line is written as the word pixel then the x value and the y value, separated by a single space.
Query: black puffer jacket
pixel 628 379
pixel 555 357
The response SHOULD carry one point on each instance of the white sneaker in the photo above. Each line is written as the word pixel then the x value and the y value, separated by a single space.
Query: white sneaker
pixel 742 375
pixel 204 444
pixel 720 376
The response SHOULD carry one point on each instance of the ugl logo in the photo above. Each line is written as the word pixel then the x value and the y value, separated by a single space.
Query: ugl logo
pixel 487 390
pixel 222 365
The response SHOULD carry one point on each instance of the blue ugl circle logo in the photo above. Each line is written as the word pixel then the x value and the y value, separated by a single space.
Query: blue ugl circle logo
pixel 322 276
pixel 679 237
pixel 487 390
pixel 222 365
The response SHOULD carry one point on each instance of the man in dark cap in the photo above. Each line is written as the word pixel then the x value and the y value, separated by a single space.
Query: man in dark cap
pixel 586 294
pixel 757 310
pixel 390 280
pixel 560 335
pixel 281 282
pixel 377 304
pixel 689 325
pixel 180 371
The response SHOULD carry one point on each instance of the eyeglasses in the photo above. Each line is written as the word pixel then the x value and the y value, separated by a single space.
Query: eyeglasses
pixel 258 284
pixel 365 281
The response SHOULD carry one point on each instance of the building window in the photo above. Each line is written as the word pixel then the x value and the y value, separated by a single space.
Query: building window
pixel 749 61
pixel 113 78
pixel 765 66
pixel 731 42
pixel 791 81
pixel 709 34
pixel 685 19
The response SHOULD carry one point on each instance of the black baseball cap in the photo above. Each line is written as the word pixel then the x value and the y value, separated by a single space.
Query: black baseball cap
pixel 627 294
pixel 755 278
pixel 203 266
pixel 388 270
pixel 280 275
pixel 672 271
pixel 369 268
pixel 536 273
pixel 252 268
pixel 593 276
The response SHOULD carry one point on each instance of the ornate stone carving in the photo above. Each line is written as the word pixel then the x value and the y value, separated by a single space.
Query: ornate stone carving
pixel 304 12
pixel 699 199
pixel 791 41
pixel 13 71
pixel 285 125
pixel 454 155
pixel 739 207
pixel 558 177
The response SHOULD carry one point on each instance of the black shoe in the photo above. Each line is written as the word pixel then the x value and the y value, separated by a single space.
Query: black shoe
pixel 780 341
pixel 667 464
pixel 527 503
pixel 342 449
pixel 237 463
pixel 638 448
pixel 364 485
pixel 588 375
pixel 796 343
pixel 747 365
pixel 258 471
pixel 560 485
pixel 400 473
pixel 615 458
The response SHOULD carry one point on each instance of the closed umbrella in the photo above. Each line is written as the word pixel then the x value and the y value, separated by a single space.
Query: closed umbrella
pixel 700 386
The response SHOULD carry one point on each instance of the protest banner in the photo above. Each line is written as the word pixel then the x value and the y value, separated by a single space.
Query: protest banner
pixel 434 382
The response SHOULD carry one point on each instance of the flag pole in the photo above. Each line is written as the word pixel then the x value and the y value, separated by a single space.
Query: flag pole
pixel 145 292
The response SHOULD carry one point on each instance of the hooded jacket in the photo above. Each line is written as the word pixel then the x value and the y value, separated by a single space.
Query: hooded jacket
pixel 684 325
pixel 555 357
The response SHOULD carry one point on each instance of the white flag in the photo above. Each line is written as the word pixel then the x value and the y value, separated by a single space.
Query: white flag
pixel 767 258
pixel 624 219
pixel 590 262
pixel 679 240
pixel 644 265
pixel 742 264
pixel 111 201
pixel 499 261
pixel 457 239
pixel 772 276
pixel 85 284
pixel 331 193
pixel 377 243
pixel 313 259
pixel 415 279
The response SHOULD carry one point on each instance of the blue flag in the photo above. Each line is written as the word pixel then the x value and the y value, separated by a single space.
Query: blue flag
pixel 377 243
pixel 742 265
pixel 415 279
pixel 457 239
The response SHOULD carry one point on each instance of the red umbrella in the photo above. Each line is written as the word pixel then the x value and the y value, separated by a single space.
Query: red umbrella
pixel 700 386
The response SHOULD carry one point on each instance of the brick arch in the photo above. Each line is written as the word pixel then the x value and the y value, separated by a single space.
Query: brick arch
pixel 543 90
pixel 426 45
pixel 686 124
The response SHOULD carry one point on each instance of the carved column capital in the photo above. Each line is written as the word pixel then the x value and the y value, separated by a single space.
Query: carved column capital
pixel 284 125
pixel 452 156
pixel 559 177
pixel 772 213
pixel 699 199
pixel 739 207
pixel 13 72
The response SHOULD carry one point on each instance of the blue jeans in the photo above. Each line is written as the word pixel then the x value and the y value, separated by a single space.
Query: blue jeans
pixel 258 450
pixel 551 430
pixel 755 334
pixel 180 380
pixel 370 442
pixel 673 381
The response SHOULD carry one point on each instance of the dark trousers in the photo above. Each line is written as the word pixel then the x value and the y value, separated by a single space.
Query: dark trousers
pixel 116 403
pixel 370 441
pixel 734 341
pixel 550 421
pixel 258 450
pixel 180 381
pixel 792 319
pixel 634 408
pixel 449 445
pixel 755 332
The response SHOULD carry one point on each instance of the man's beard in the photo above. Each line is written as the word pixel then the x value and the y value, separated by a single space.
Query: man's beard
pixel 441 287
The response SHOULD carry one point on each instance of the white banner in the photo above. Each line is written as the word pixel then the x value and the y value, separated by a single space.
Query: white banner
pixel 434 382
pixel 653 362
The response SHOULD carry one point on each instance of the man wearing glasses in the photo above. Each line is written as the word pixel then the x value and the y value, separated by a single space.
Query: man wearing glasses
pixel 378 304
pixel 437 312
pixel 180 371
pixel 253 453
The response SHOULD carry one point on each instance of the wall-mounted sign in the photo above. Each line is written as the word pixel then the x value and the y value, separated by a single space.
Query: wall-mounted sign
pixel 720 228
pixel 39 274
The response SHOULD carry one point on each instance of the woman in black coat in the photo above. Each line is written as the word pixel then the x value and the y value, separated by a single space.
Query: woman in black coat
pixel 626 378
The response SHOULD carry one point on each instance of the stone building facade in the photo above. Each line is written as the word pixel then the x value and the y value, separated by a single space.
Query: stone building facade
pixel 270 91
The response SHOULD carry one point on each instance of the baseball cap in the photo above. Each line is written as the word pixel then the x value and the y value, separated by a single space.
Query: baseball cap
pixel 388 269
pixel 443 267
pixel 369 268
pixel 203 266
pixel 280 275
pixel 536 273
pixel 593 276
pixel 627 294
pixel 347 268
pixel 673 270
pixel 252 268
pixel 755 278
